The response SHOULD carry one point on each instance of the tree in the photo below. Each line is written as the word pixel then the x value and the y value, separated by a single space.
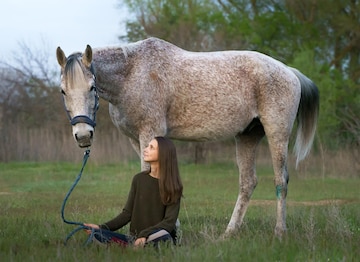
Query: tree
pixel 337 24
pixel 29 82
pixel 191 24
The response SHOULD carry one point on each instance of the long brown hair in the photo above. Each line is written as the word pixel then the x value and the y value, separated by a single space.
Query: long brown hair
pixel 169 182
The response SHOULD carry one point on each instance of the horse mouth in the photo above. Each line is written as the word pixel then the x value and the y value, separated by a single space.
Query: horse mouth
pixel 83 145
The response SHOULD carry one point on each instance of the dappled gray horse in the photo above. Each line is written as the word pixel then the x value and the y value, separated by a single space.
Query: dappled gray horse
pixel 157 89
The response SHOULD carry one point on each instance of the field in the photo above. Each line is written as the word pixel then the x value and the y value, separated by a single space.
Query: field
pixel 323 215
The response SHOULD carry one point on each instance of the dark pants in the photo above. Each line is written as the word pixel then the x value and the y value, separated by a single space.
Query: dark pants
pixel 108 237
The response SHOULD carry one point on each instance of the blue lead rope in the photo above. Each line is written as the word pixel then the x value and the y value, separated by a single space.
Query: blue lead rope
pixel 81 226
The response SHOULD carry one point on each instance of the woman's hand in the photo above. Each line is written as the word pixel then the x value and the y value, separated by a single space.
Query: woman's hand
pixel 140 242
pixel 88 231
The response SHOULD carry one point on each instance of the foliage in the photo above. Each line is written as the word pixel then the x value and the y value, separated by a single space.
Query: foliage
pixel 186 23
pixel 28 89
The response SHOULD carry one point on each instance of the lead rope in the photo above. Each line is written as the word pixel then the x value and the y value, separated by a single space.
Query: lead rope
pixel 81 226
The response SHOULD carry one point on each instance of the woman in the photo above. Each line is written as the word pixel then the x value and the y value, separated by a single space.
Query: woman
pixel 153 204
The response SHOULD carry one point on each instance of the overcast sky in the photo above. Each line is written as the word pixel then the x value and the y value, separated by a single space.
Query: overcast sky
pixel 70 24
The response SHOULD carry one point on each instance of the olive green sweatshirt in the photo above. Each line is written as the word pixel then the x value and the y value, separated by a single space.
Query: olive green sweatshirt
pixel 144 209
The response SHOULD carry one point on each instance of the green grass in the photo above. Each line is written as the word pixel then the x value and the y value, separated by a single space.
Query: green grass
pixel 323 215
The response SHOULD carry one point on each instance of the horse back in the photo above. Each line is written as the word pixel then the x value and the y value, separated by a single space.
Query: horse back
pixel 201 95
pixel 213 95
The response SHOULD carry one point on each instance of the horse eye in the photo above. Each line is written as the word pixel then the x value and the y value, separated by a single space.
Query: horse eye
pixel 92 88
pixel 63 92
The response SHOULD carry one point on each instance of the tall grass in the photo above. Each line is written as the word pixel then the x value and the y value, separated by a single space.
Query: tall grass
pixel 110 146
pixel 322 215
pixel 55 143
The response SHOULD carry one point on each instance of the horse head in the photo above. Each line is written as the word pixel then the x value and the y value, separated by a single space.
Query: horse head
pixel 78 87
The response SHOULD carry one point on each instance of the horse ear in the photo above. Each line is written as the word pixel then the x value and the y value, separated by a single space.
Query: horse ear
pixel 61 58
pixel 87 57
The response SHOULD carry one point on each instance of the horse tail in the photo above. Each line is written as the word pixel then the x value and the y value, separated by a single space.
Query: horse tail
pixel 307 116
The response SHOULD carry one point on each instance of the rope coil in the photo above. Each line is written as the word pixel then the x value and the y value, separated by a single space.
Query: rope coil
pixel 81 225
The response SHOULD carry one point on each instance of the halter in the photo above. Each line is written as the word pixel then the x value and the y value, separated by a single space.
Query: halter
pixel 83 118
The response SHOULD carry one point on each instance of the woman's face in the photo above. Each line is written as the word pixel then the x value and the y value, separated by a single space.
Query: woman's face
pixel 151 152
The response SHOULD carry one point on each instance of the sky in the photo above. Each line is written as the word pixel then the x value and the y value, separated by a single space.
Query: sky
pixel 70 24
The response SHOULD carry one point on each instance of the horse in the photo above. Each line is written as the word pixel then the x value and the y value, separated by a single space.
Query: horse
pixel 155 88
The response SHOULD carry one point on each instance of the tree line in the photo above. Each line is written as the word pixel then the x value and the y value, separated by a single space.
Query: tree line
pixel 319 37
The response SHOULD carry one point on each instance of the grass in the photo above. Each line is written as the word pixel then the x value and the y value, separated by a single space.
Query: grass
pixel 323 215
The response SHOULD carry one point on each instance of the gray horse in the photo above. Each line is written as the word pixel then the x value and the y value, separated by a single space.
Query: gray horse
pixel 155 88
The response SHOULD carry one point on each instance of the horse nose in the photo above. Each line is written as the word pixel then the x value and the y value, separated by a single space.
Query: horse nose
pixel 84 138
pixel 78 137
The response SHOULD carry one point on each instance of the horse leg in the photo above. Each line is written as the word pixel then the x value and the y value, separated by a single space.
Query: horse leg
pixel 246 145
pixel 138 149
pixel 136 145
pixel 279 147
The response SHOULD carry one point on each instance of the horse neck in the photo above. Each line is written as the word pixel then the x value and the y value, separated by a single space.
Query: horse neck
pixel 111 66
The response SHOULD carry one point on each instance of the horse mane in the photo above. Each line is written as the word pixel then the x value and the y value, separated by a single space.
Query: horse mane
pixel 73 68
pixel 152 43
pixel 129 48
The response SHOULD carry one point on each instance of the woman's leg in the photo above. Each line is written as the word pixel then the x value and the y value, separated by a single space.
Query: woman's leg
pixel 109 237
pixel 159 236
